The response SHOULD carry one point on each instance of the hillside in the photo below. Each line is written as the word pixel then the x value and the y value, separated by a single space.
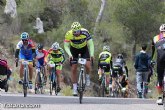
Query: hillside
pixel 123 25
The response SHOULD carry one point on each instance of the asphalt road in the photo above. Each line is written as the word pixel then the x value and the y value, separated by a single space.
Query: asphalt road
pixel 46 102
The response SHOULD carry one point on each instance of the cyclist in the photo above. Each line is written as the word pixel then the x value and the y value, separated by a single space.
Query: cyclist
pixel 40 56
pixel 4 67
pixel 105 59
pixel 25 50
pixel 77 41
pixel 142 66
pixel 119 68
pixel 158 43
pixel 56 55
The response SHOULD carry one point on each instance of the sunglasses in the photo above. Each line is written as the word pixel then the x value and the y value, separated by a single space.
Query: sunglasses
pixel 24 40
pixel 76 32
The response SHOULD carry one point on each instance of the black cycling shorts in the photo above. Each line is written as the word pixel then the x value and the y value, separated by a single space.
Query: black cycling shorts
pixel 160 66
pixel 105 66
pixel 117 70
pixel 75 52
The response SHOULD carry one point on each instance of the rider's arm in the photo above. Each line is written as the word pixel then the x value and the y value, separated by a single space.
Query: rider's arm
pixel 63 55
pixel 18 49
pixel 89 42
pixel 67 48
pixel 111 63
pixel 126 69
pixel 153 50
pixel 67 43
pixel 91 47
pixel 17 53
pixel 33 52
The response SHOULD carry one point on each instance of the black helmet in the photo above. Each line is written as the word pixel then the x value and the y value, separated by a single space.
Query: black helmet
pixel 120 56
pixel 40 46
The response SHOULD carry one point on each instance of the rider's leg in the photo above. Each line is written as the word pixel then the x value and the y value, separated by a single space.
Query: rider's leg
pixel 58 80
pixel 107 82
pixel 30 71
pixel 58 71
pixel 36 74
pixel 160 71
pixel 88 71
pixel 74 78
pixel 114 75
pixel 113 83
pixel 21 71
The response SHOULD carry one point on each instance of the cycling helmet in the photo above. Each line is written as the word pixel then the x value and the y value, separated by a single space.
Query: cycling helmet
pixel 76 26
pixel 55 46
pixel 120 56
pixel 106 48
pixel 40 46
pixel 24 35
pixel 162 27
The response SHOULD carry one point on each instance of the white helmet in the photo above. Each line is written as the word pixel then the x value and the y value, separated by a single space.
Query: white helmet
pixel 162 28
pixel 55 46
pixel 106 48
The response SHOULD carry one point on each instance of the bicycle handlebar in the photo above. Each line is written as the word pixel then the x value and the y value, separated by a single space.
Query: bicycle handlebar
pixel 27 60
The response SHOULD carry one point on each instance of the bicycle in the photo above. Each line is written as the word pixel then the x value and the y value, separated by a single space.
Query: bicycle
pixel 53 79
pixel 25 76
pixel 40 79
pixel 103 83
pixel 81 78
pixel 117 92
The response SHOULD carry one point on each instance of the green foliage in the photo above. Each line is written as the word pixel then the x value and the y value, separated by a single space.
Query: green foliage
pixel 78 11
pixel 33 7
pixel 67 91
pixel 139 18
pixel 51 18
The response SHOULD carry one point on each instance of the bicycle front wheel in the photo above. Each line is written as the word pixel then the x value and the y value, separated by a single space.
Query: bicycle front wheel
pixel 25 90
pixel 25 83
pixel 80 88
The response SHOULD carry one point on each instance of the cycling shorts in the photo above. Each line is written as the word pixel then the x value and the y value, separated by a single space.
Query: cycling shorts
pixel 75 52
pixel 117 70
pixel 58 66
pixel 106 67
pixel 24 57
pixel 40 62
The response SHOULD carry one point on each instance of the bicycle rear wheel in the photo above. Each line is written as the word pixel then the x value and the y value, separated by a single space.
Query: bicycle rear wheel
pixel 50 87
pixel 102 87
pixel 103 90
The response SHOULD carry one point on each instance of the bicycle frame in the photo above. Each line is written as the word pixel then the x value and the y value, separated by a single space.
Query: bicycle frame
pixel 103 82
pixel 40 79
pixel 53 79
pixel 81 79
pixel 25 79
pixel 118 87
